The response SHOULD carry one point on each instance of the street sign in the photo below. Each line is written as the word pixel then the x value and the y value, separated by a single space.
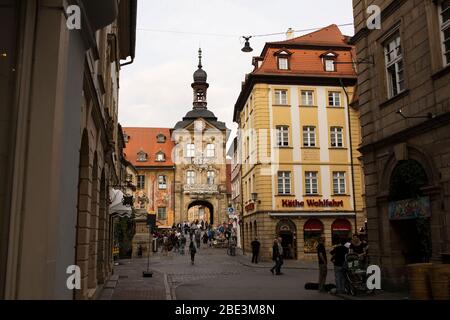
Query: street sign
pixel 230 210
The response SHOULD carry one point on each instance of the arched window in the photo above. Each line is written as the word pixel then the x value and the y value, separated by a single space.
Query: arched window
pixel 312 231
pixel 341 229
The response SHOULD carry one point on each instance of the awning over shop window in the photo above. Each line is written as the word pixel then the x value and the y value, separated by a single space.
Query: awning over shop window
pixel 341 225
pixel 116 208
pixel 313 225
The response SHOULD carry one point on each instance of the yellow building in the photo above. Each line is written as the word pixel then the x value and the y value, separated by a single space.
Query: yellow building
pixel 301 176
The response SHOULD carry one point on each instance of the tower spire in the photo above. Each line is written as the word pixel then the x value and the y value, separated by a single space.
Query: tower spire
pixel 200 58
pixel 200 84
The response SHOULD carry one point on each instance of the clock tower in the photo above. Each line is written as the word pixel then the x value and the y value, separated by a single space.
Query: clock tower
pixel 200 160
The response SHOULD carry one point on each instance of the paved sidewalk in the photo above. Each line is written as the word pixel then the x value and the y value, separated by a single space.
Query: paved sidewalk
pixel 127 283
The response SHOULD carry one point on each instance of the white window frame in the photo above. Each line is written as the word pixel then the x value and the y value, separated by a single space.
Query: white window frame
pixel 283 63
pixel 284 182
pixel 334 99
pixel 162 210
pixel 160 157
pixel 210 150
pixel 281 97
pixel 339 183
pixel 330 66
pixel 162 182
pixel 337 137
pixel 190 150
pixel 309 137
pixel 190 177
pixel 282 136
pixel 210 176
pixel 394 61
pixel 307 97
pixel 444 26
pixel 311 183
pixel 140 179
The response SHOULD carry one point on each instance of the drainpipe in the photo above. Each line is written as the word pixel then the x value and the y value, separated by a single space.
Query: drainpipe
pixel 351 153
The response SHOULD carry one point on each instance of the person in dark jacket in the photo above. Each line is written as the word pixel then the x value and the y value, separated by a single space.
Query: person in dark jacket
pixel 256 245
pixel 339 254
pixel 276 256
pixel 193 251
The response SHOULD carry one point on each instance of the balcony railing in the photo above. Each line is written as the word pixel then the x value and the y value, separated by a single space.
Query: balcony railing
pixel 201 188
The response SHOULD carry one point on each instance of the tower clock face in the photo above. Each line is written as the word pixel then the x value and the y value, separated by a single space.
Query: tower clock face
pixel 199 125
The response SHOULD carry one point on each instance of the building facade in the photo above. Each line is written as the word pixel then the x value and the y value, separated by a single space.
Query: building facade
pixel 236 199
pixel 301 177
pixel 404 103
pixel 200 159
pixel 60 153
pixel 150 152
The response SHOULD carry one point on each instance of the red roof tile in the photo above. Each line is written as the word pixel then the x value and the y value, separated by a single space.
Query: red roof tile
pixel 306 59
pixel 330 35
pixel 145 139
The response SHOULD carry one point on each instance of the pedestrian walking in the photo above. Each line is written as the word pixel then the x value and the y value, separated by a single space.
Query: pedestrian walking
pixel 165 246
pixel 339 253
pixel 198 238
pixel 256 245
pixel 276 257
pixel 182 244
pixel 205 238
pixel 281 257
pixel 323 263
pixel 193 251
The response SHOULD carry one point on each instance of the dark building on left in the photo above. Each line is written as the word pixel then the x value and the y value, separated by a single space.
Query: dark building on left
pixel 60 143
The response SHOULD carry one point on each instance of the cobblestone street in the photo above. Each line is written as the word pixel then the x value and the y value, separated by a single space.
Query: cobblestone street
pixel 214 276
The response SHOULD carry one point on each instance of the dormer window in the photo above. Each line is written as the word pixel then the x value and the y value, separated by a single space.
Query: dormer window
pixel 283 57
pixel 283 63
pixel 126 138
pixel 329 61
pixel 161 138
pixel 142 156
pixel 160 157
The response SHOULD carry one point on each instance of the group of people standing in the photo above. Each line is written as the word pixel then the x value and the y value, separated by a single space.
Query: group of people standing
pixel 176 238
pixel 339 253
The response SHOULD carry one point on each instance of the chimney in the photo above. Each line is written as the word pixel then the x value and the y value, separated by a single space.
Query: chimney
pixel 290 34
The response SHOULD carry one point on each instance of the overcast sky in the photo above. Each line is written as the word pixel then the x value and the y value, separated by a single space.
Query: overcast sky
pixel 156 89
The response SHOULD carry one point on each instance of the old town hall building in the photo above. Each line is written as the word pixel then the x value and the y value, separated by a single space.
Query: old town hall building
pixel 187 167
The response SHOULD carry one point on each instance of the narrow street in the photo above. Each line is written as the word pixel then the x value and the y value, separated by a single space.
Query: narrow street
pixel 214 276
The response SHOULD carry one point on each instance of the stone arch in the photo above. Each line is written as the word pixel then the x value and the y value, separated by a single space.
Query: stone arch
pixel 83 213
pixel 204 203
pixel 412 153
pixel 287 231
